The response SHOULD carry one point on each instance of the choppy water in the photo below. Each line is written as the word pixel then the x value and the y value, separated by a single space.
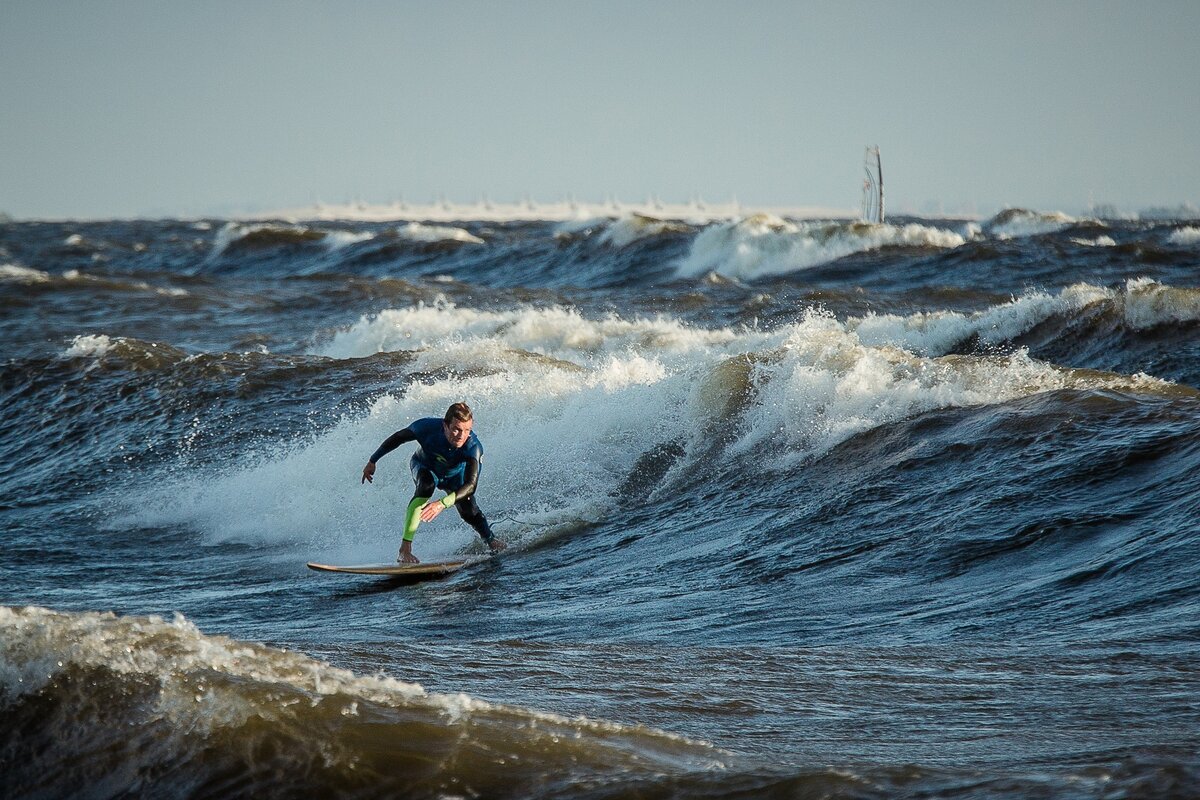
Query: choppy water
pixel 797 508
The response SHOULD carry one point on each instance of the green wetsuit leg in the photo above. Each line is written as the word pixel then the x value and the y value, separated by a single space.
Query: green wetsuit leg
pixel 412 517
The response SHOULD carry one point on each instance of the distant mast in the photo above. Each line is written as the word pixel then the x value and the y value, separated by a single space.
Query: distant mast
pixel 872 198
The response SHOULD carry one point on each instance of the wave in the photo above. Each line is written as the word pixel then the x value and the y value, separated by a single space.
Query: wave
pixel 1019 222
pixel 1141 305
pixel 75 280
pixel 418 232
pixel 1186 236
pixel 237 238
pixel 144 705
pixel 562 333
pixel 1149 304
pixel 763 245
pixel 631 228
pixel 940 332
pixel 557 393
pixel 15 273
pixel 85 280
pixel 1099 241
pixel 132 353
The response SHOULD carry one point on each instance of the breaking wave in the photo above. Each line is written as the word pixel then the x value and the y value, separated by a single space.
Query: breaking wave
pixel 763 245
pixel 151 706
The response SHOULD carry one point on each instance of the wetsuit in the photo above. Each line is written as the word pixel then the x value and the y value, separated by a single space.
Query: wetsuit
pixel 438 464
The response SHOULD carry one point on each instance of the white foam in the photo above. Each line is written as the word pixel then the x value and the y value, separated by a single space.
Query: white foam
pixel 936 333
pixel 764 245
pixel 1018 222
pixel 75 276
pixel 94 345
pixel 827 386
pixel 1185 236
pixel 1099 241
pixel 181 662
pixel 14 273
pixel 331 239
pixel 417 232
pixel 556 394
pixel 40 643
pixel 336 240
pixel 580 224
pixel 230 233
pixel 559 332
pixel 633 227
pixel 1149 304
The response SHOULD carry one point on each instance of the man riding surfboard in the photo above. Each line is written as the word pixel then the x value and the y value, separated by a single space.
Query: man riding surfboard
pixel 449 456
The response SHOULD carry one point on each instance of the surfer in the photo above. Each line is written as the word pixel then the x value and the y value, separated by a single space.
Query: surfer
pixel 448 456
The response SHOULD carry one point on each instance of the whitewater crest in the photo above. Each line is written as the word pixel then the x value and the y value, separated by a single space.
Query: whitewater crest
pixel 15 273
pixel 260 236
pixel 940 332
pixel 762 244
pixel 418 232
pixel 558 332
pixel 557 392
pixel 1017 222
pixel 1188 235
pixel 1148 304
pixel 202 706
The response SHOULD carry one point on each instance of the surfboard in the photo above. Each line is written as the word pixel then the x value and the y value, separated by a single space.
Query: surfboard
pixel 431 568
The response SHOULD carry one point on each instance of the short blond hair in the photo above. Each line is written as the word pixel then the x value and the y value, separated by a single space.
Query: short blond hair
pixel 459 412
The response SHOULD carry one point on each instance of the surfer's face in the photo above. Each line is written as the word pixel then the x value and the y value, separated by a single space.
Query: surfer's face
pixel 456 432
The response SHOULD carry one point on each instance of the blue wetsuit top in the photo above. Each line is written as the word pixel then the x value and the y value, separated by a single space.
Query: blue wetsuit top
pixel 437 455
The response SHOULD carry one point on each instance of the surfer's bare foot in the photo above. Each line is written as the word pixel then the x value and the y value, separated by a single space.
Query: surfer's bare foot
pixel 406 555
pixel 497 545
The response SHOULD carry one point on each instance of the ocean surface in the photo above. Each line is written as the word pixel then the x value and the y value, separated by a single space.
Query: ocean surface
pixel 796 508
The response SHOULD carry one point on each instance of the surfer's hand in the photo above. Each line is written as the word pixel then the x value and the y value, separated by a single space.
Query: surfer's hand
pixel 431 510
pixel 368 471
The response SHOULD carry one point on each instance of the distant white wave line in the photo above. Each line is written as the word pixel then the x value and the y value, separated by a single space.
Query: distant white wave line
pixel 695 212
pixel 555 393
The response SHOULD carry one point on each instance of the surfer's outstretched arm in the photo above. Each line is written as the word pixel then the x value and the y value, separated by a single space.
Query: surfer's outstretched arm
pixel 389 444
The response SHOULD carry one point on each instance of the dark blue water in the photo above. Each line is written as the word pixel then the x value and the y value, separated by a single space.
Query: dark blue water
pixel 795 508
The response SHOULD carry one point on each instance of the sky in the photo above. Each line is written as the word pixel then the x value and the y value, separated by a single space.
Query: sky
pixel 116 108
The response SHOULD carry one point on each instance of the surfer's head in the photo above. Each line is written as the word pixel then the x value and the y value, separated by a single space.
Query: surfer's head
pixel 457 424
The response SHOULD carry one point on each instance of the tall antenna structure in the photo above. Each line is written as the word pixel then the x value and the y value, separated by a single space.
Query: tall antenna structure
pixel 872 197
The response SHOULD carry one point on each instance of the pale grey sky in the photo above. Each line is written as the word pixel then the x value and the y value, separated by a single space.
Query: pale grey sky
pixel 130 108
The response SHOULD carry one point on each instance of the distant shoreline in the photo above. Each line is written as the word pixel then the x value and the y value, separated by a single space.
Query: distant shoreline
pixel 695 213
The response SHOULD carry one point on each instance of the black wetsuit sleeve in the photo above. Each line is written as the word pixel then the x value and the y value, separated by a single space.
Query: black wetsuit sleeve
pixel 470 480
pixel 392 442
